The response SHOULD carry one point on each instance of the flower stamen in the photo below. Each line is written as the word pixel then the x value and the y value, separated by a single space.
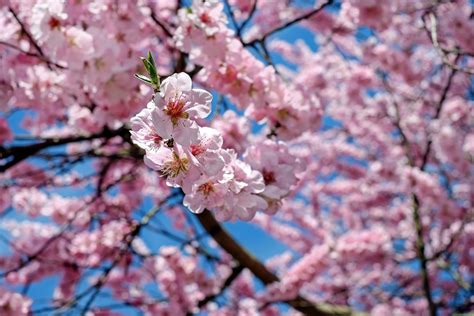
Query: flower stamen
pixel 174 167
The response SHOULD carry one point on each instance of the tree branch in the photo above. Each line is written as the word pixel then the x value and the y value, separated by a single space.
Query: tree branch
pixel 443 52
pixel 248 19
pixel 290 23
pixel 439 107
pixel 33 42
pixel 222 237
pixel 160 24
pixel 420 250
pixel 235 273
pixel 20 153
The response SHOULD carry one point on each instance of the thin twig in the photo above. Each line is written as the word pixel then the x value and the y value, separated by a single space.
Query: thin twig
pixel 235 273
pixel 290 23
pixel 160 24
pixel 249 18
pixel 443 52
pixel 33 42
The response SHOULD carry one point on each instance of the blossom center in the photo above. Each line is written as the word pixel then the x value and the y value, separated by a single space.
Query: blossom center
pixel 120 37
pixel 174 167
pixel 268 176
pixel 283 114
pixel 197 149
pixel 156 138
pixel 230 74
pixel 54 23
pixel 206 188
pixel 175 110
pixel 205 18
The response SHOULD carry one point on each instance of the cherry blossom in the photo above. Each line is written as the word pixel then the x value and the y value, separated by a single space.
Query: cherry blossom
pixel 14 303
pixel 177 106
pixel 262 158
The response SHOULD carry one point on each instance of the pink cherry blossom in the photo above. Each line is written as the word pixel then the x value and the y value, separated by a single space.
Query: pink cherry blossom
pixel 278 167
pixel 143 131
pixel 267 158
pixel 177 106
pixel 48 19
pixel 206 193
pixel 12 304
pixel 234 131
pixel 170 162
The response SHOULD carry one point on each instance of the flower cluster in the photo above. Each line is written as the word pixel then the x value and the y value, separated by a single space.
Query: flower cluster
pixel 279 169
pixel 390 166
pixel 14 304
pixel 181 279
pixel 192 157
pixel 234 71
pixel 302 272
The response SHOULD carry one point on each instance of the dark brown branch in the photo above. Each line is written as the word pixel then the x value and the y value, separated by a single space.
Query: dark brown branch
pixel 20 153
pixel 128 240
pixel 222 237
pixel 396 122
pixel 36 55
pixel 235 273
pixel 266 56
pixel 452 240
pixel 102 175
pixel 33 42
pixel 420 250
pixel 231 14
pixel 34 256
pixel 439 107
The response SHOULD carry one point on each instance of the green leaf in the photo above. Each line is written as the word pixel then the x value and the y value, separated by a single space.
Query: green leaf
pixel 154 76
pixel 149 63
pixel 151 71
pixel 143 78
pixel 150 59
pixel 146 63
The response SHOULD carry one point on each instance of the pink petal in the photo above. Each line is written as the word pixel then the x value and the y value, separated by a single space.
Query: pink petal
pixel 201 103
pixel 162 124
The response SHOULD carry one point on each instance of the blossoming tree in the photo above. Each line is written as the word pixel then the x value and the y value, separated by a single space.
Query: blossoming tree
pixel 342 129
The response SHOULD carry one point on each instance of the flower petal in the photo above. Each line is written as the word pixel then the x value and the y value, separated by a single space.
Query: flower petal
pixel 201 103
pixel 183 82
pixel 186 132
pixel 162 124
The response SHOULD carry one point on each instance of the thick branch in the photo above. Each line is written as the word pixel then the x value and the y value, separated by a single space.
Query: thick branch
pixel 128 240
pixel 160 24
pixel 222 237
pixel 36 55
pixel 249 18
